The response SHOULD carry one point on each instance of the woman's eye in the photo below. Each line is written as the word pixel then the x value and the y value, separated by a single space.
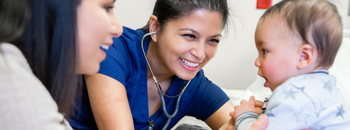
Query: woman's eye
pixel 214 40
pixel 109 8
pixel 189 35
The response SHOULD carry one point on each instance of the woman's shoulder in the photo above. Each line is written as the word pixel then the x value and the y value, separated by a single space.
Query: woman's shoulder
pixel 10 54
pixel 201 82
pixel 201 85
pixel 124 57
pixel 21 92
pixel 200 78
pixel 128 42
pixel 132 34
pixel 202 97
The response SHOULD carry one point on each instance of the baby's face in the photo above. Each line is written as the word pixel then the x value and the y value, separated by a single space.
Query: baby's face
pixel 278 51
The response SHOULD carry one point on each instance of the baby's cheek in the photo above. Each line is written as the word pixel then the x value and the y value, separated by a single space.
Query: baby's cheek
pixel 270 71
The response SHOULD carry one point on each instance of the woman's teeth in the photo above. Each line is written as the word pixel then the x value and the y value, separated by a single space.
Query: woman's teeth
pixel 106 47
pixel 190 64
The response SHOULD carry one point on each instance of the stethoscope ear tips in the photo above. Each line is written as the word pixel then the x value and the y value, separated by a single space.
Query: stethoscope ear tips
pixel 153 32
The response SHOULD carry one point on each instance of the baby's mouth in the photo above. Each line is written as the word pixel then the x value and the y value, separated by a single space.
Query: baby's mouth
pixel 266 84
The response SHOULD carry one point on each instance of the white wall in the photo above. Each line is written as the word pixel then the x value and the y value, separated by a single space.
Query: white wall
pixel 233 66
pixel 343 7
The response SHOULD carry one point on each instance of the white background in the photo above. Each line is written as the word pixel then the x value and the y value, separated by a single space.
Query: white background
pixel 233 66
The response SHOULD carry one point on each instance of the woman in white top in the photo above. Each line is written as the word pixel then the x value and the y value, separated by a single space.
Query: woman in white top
pixel 62 41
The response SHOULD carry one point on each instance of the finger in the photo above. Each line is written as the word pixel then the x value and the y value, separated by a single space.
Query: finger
pixel 232 113
pixel 264 119
pixel 259 103
pixel 258 110
pixel 252 100
pixel 244 102
pixel 307 129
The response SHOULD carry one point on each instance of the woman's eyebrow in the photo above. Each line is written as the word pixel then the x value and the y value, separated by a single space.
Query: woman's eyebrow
pixel 197 33
pixel 217 35
pixel 113 1
pixel 189 29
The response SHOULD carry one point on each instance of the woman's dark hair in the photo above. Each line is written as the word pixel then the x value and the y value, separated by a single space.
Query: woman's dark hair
pixel 167 10
pixel 14 17
pixel 49 45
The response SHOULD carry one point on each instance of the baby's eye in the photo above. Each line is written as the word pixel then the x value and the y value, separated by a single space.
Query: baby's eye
pixel 108 8
pixel 264 51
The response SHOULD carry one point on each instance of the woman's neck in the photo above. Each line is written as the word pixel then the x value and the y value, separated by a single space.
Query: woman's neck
pixel 159 68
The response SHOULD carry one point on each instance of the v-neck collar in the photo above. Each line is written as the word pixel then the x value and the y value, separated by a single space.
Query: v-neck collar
pixel 175 87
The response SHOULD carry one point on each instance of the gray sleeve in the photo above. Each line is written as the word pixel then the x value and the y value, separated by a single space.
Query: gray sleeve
pixel 245 120
pixel 25 102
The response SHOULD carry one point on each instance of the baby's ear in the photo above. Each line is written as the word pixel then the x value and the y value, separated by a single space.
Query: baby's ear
pixel 153 26
pixel 307 55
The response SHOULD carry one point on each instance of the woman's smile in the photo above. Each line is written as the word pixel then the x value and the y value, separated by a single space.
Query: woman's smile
pixel 189 65
pixel 186 44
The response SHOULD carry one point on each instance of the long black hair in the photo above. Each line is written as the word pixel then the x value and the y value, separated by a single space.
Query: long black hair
pixel 14 17
pixel 49 45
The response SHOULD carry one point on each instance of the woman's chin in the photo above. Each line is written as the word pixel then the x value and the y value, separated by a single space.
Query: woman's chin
pixel 187 76
pixel 89 70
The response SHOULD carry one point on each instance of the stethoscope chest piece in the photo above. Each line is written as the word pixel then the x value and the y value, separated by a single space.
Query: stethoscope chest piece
pixel 151 125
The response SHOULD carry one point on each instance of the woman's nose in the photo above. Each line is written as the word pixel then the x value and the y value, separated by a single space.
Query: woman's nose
pixel 199 51
pixel 116 29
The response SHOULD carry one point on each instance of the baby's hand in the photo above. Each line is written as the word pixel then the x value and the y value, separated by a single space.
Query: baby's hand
pixel 259 104
pixel 250 106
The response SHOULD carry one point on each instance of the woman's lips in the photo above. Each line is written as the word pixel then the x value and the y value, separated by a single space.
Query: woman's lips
pixel 103 54
pixel 191 66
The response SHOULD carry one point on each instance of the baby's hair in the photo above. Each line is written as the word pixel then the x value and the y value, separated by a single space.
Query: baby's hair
pixel 319 19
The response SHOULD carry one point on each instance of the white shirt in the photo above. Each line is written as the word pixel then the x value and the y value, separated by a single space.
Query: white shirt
pixel 24 101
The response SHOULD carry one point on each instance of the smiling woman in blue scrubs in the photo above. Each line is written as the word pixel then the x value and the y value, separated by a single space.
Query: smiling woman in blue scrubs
pixel 124 95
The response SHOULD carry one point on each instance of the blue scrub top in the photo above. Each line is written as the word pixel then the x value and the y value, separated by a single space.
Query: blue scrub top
pixel 125 62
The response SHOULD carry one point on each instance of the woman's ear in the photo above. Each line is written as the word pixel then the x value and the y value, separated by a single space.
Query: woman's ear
pixel 153 26
pixel 307 55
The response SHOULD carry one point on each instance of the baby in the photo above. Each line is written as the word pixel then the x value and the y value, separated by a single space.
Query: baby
pixel 297 41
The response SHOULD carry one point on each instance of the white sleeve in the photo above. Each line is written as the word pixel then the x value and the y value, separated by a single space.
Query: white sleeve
pixel 25 102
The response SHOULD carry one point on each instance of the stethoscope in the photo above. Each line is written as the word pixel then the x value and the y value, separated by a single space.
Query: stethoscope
pixel 160 91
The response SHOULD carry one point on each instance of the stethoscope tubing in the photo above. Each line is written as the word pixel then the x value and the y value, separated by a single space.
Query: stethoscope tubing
pixel 160 92
pixel 166 112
